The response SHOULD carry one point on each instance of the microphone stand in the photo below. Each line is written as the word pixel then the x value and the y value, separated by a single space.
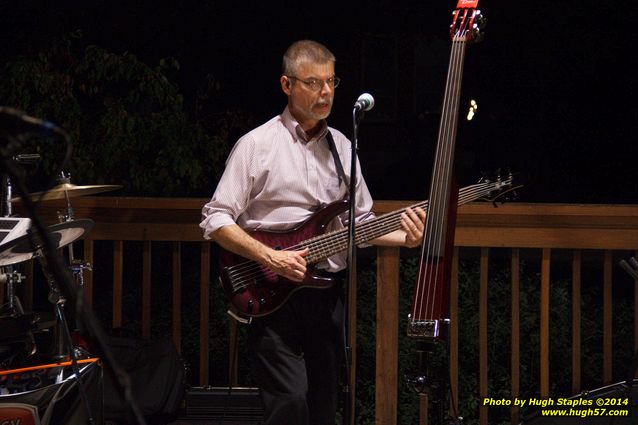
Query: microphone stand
pixel 351 287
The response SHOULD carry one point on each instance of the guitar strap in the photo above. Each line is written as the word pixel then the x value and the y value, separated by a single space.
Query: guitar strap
pixel 335 156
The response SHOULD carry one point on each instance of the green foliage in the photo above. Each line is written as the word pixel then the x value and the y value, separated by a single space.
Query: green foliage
pixel 128 121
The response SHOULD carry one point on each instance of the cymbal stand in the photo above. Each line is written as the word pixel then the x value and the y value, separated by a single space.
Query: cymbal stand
pixel 10 278
pixel 63 348
pixel 63 335
pixel 8 275
pixel 7 210
pixel 67 214
pixel 8 194
pixel 77 266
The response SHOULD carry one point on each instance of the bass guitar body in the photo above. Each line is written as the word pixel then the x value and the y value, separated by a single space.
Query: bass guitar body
pixel 256 291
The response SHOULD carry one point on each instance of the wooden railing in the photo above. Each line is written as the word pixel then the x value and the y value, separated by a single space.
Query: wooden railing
pixel 518 227
pixel 543 227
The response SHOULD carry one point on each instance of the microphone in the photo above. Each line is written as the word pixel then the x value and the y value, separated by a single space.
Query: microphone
pixel 364 103
pixel 14 121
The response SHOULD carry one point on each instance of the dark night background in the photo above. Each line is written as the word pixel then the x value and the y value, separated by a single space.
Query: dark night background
pixel 553 79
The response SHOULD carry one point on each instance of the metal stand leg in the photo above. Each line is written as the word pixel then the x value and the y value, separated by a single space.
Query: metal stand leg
pixel 64 342
pixel 426 385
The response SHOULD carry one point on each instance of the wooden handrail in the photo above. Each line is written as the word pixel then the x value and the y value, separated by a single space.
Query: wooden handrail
pixel 479 224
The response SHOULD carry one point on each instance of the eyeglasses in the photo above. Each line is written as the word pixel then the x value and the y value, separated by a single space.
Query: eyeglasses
pixel 316 85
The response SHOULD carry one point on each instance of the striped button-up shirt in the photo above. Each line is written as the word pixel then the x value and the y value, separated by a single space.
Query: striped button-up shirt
pixel 276 177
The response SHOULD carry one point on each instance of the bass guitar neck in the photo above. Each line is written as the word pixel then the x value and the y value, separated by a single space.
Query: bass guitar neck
pixel 254 290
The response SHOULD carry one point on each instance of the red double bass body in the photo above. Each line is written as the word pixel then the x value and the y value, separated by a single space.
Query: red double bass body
pixel 429 317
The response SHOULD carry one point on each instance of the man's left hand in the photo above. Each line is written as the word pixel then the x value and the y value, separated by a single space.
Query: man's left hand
pixel 412 223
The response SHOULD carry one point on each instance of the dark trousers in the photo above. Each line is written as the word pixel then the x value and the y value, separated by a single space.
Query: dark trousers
pixel 296 358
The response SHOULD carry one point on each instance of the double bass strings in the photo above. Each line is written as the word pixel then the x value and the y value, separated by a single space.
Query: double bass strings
pixel 426 294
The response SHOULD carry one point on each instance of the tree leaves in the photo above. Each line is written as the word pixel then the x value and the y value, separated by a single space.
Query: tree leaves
pixel 128 120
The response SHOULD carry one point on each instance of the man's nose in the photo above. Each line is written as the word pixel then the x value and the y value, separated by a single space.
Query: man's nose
pixel 326 88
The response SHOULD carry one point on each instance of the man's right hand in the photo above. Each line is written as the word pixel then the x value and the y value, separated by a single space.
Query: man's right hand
pixel 289 264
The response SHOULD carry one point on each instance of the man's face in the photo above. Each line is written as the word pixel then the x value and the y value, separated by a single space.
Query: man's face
pixel 306 105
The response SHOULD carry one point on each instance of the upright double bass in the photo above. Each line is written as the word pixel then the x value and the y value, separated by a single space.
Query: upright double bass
pixel 429 317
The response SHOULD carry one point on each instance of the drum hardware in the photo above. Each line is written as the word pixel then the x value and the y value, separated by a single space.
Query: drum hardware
pixel 67 215
pixel 65 349
pixel 60 235
pixel 77 268
pixel 42 243
pixel 12 228
pixel 30 246
pixel 8 193
pixel 10 278
pixel 63 343
pixel 16 339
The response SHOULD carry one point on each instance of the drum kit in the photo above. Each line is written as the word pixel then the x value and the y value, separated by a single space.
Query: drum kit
pixel 19 243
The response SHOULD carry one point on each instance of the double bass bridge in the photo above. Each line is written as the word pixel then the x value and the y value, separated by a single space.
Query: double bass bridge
pixel 431 329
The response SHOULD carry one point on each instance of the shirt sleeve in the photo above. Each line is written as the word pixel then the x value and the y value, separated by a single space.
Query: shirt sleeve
pixel 232 195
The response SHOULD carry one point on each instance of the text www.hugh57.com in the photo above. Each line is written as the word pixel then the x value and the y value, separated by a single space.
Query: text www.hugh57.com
pixel 585 413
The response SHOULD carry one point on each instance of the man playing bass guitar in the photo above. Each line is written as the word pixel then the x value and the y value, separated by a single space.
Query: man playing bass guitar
pixel 276 177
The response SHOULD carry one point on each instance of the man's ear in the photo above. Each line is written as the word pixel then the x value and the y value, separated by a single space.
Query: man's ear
pixel 285 84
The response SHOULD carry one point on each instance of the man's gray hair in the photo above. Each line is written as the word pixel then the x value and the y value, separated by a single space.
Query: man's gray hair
pixel 305 51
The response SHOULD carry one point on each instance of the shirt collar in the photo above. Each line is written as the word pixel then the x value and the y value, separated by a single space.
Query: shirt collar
pixel 292 125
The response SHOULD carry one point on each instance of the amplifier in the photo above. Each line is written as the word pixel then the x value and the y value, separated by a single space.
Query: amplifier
pixel 239 405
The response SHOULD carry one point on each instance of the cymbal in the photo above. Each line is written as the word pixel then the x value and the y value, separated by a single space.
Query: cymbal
pixel 59 191
pixel 25 247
